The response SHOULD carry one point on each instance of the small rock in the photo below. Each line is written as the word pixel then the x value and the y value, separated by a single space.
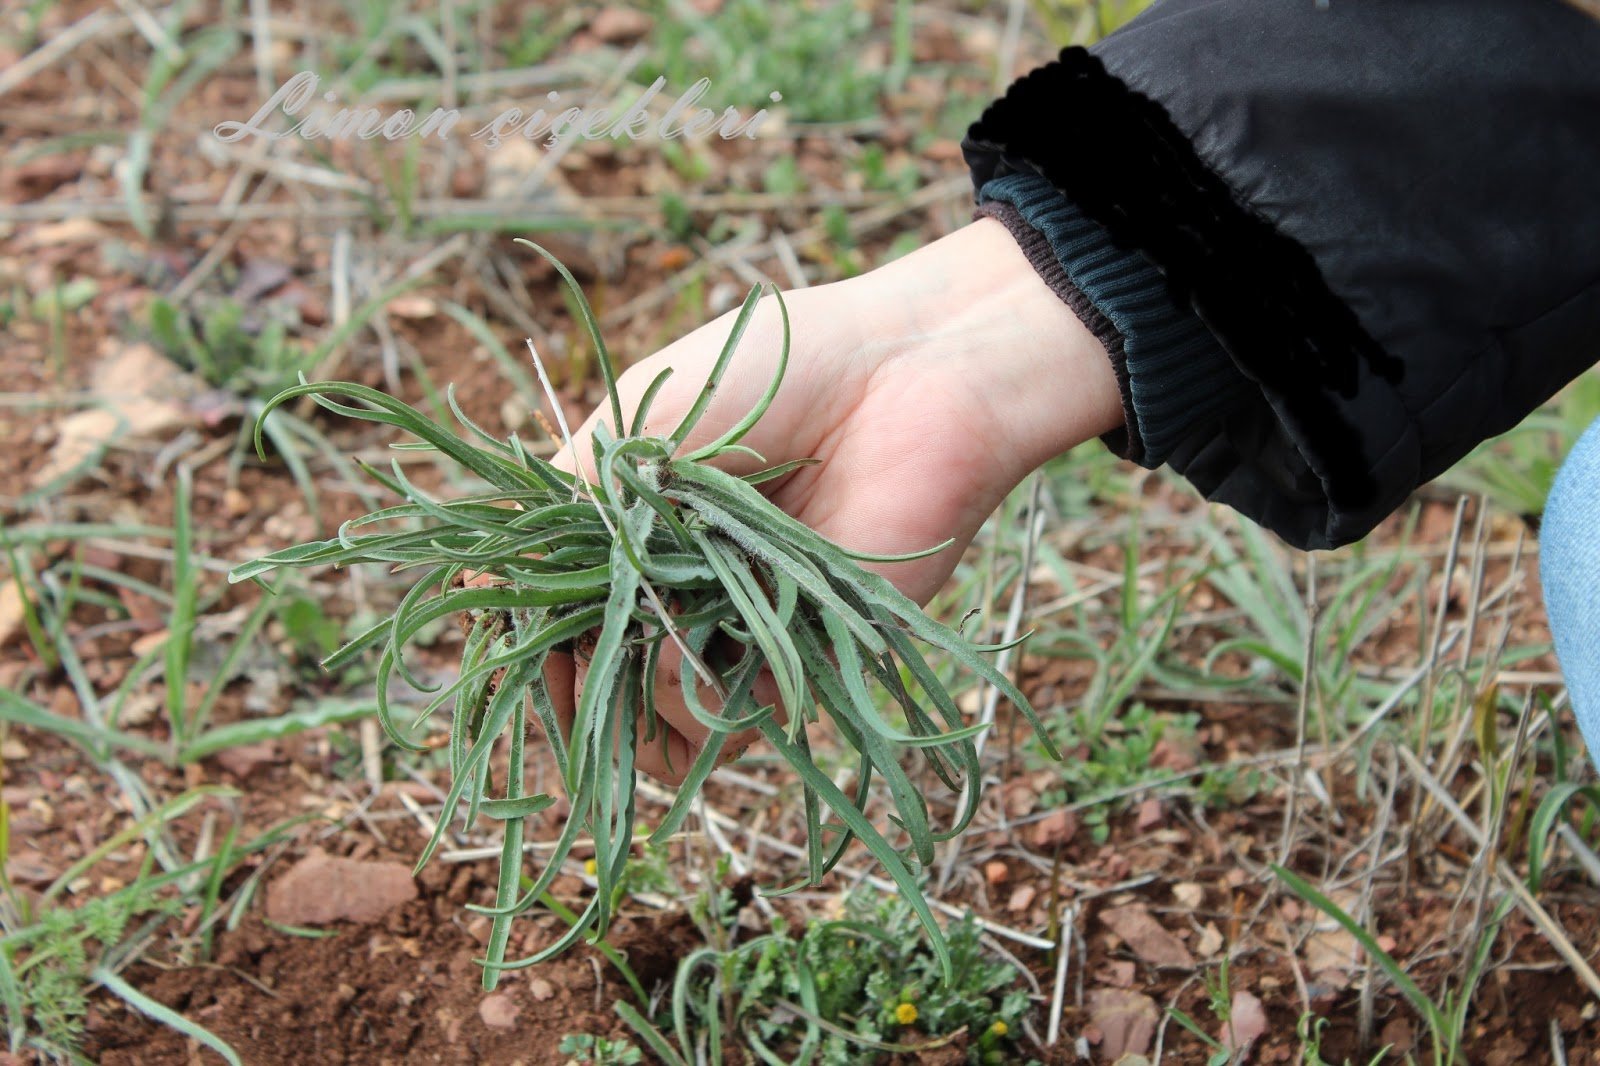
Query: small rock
pixel 1387 943
pixel 244 760
pixel 724 296
pixel 320 889
pixel 1126 1021
pixel 12 749
pixel 1150 815
pixel 1053 830
pixel 1247 1023
pixel 1146 937
pixel 514 412
pixel 541 989
pixel 1189 894
pixel 616 25
pixel 1021 899
pixel 412 307
pixel 12 610
pixel 995 872
pixel 1210 941
pixel 235 504
pixel 498 1011
pixel 1118 973
pixel 1399 1035
pixel 1019 798
pixel 1178 754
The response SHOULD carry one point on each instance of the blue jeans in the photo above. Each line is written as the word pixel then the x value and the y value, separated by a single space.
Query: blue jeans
pixel 1569 570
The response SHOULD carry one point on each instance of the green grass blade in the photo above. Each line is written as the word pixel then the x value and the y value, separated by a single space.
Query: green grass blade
pixel 162 1013
pixel 1402 980
pixel 180 623
pixel 751 417
pixel 702 400
pixel 608 372
pixel 863 828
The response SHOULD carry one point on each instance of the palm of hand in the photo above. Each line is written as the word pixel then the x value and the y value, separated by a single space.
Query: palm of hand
pixel 902 462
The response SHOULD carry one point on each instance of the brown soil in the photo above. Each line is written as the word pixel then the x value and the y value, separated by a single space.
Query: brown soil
pixel 404 990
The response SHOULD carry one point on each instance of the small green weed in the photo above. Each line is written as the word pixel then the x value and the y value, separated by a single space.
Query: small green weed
pixel 599 1050
pixel 749 49
pixel 1446 1019
pixel 840 991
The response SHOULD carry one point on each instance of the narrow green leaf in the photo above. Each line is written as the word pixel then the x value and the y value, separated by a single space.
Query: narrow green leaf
pixel 162 1013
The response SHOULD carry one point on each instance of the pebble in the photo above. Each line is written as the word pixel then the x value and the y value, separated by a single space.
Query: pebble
pixel 320 889
pixel 498 1011
pixel 616 25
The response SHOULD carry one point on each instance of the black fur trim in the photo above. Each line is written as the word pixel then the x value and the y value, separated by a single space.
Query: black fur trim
pixel 1119 156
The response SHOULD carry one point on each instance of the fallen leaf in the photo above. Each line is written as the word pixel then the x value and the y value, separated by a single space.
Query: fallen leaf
pixel 1189 894
pixel 11 610
pixel 1126 1020
pixel 320 889
pixel 137 392
pixel 1146 937
pixel 1247 1023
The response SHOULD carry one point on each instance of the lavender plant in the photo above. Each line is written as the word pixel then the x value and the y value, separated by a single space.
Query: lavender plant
pixel 571 559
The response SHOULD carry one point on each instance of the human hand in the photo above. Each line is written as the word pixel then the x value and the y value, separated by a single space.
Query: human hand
pixel 926 389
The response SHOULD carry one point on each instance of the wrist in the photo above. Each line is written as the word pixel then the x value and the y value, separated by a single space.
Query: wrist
pixel 1029 375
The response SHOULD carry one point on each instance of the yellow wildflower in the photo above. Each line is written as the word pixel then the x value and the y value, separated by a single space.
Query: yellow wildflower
pixel 589 867
pixel 905 1013
pixel 999 1029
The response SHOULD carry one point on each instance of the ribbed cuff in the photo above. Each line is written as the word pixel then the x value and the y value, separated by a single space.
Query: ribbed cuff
pixel 1174 374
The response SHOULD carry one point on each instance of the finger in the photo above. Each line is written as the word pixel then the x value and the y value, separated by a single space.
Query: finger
pixel 668 694
pixel 668 756
pixel 670 704
pixel 560 680
pixel 781 436
pixel 663 752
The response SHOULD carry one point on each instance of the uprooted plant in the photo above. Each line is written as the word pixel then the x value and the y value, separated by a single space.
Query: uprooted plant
pixel 568 559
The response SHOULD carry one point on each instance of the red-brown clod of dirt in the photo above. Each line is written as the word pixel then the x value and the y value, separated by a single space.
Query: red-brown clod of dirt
pixel 320 889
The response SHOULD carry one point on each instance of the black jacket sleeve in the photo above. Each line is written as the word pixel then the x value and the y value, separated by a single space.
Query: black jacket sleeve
pixel 1386 211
